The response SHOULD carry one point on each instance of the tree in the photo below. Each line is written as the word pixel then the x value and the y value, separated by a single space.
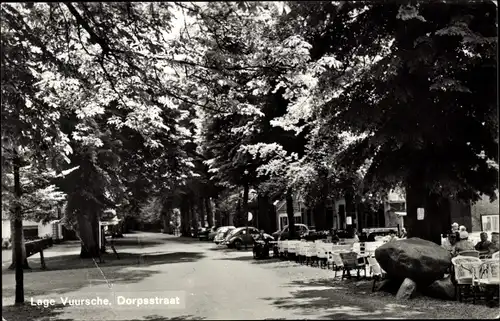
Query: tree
pixel 415 97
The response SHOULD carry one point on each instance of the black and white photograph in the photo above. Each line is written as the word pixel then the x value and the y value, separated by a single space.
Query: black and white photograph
pixel 250 160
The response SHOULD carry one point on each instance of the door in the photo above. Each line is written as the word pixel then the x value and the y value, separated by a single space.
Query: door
pixel 342 216
pixel 329 218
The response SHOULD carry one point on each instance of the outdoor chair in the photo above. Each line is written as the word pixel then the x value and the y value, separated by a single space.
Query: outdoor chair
pixel 464 269
pixel 472 253
pixel 280 247
pixel 336 262
pixel 285 248
pixel 350 262
pixel 301 251
pixel 370 247
pixel 484 255
pixel 486 280
pixel 376 272
pixel 292 249
pixel 495 255
pixel 310 253
pixel 321 253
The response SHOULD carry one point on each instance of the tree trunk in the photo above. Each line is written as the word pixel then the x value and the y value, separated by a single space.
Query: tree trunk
pixel 319 212
pixel 245 204
pixel 194 218
pixel 349 207
pixel 18 247
pixel 23 247
pixel 88 228
pixel 201 207
pixel 418 196
pixel 218 216
pixel 210 214
pixel 290 214
pixel 165 221
pixel 185 219
pixel 264 213
pixel 237 220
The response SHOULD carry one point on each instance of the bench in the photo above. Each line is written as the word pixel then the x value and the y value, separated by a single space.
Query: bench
pixel 37 246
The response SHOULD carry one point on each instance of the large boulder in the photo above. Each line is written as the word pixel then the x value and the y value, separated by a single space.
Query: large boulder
pixel 441 289
pixel 419 260
pixel 407 290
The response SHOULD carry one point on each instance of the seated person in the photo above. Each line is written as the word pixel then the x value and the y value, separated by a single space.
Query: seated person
pixel 392 236
pixel 463 244
pixel 403 233
pixel 484 244
pixel 450 241
pixel 494 243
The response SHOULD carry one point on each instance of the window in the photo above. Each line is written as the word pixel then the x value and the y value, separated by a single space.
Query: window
pixel 489 223
pixel 298 219
pixel 283 222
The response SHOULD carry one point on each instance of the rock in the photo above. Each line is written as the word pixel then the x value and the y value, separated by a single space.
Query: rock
pixel 406 290
pixel 419 260
pixel 441 289
pixel 388 285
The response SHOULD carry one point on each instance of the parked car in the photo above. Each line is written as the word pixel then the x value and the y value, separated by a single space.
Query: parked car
pixel 222 233
pixel 204 233
pixel 213 233
pixel 239 237
pixel 371 233
pixel 301 230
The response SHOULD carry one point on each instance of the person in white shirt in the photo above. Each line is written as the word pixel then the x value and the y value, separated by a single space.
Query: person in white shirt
pixel 463 244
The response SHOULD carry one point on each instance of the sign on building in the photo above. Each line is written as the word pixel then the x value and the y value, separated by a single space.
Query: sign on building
pixel 420 213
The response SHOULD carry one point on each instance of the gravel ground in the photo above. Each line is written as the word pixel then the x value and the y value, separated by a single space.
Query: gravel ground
pixel 214 283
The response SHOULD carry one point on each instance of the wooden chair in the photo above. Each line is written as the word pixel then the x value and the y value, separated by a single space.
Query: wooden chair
pixel 464 269
pixel 350 262
pixel 471 253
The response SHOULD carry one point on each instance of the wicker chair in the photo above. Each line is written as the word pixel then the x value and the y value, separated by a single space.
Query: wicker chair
pixel 472 253
pixel 495 255
pixel 486 280
pixel 465 268
pixel 350 262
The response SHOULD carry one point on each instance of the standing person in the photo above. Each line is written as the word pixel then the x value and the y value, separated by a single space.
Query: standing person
pixel 484 244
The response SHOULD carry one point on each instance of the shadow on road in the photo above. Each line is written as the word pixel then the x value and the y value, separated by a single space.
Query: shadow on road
pixel 160 318
pixel 27 312
pixel 33 313
pixel 71 262
pixel 50 285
